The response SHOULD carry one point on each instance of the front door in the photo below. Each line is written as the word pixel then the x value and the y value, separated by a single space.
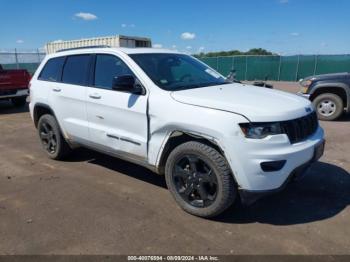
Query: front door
pixel 117 120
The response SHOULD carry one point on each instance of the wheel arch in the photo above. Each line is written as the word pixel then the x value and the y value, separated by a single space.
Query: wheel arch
pixel 41 109
pixel 177 137
pixel 340 89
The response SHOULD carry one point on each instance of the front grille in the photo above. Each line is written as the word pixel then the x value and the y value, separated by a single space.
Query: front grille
pixel 7 92
pixel 300 128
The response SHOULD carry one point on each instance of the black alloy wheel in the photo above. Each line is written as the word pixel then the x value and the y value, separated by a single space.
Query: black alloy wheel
pixel 48 137
pixel 200 179
pixel 195 181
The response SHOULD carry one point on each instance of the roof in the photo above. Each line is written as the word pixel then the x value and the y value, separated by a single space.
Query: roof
pixel 125 50
pixel 144 50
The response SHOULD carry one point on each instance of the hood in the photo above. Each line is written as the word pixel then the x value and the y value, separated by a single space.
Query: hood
pixel 258 104
pixel 328 76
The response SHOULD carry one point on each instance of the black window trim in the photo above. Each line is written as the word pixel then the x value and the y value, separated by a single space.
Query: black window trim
pixel 90 78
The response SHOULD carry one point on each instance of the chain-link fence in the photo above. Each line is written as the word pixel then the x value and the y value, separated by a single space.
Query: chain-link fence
pixel 25 59
pixel 279 68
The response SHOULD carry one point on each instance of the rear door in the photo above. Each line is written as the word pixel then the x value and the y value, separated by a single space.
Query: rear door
pixel 117 120
pixel 68 97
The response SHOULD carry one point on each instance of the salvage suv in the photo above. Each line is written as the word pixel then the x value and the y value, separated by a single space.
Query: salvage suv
pixel 214 141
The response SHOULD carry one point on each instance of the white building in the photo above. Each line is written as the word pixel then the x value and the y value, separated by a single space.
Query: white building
pixel 112 41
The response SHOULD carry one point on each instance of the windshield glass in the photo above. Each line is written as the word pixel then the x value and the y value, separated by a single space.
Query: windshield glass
pixel 177 71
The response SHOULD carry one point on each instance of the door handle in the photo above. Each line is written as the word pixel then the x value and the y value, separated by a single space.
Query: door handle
pixel 56 89
pixel 95 96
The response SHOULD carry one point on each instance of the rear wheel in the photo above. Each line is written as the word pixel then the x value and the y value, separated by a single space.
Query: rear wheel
pixel 328 106
pixel 19 101
pixel 199 179
pixel 51 138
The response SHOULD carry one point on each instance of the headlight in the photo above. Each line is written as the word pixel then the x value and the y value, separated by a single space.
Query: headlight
pixel 305 85
pixel 260 130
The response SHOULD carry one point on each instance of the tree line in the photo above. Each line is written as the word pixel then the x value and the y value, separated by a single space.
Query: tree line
pixel 253 51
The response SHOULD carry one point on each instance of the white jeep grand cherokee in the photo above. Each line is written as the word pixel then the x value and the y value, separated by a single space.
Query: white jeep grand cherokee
pixel 169 112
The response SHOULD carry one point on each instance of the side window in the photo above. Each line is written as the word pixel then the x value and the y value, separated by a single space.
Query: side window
pixel 76 69
pixel 107 68
pixel 52 70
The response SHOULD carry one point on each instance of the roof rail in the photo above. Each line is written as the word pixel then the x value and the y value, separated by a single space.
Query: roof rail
pixel 83 47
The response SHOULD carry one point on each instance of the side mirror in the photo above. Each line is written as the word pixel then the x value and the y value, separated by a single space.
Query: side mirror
pixel 231 78
pixel 127 83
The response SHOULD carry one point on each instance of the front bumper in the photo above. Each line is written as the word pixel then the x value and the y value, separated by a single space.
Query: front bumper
pixel 246 156
pixel 248 197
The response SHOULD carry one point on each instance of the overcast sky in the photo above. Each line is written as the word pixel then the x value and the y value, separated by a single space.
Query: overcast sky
pixel 282 26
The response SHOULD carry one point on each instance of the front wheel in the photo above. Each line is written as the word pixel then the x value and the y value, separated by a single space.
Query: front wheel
pixel 200 180
pixel 328 106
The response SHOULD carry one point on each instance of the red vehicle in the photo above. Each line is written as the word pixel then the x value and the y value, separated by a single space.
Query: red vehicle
pixel 14 85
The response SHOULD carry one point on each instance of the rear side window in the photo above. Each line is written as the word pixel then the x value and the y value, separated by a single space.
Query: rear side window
pixel 52 70
pixel 76 69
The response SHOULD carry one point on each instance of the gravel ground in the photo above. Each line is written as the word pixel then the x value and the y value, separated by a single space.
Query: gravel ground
pixel 96 204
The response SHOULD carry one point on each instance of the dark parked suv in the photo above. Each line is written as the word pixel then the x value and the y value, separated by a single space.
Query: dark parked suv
pixel 330 93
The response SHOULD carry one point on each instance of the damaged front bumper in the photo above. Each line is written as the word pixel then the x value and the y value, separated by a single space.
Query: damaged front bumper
pixel 248 197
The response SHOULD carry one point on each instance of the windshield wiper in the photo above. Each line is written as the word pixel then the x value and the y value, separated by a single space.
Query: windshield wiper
pixel 178 88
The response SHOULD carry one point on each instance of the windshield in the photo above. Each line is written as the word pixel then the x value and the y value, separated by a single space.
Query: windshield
pixel 177 71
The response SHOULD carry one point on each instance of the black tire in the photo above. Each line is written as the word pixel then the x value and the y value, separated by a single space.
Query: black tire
pixel 19 101
pixel 328 106
pixel 220 173
pixel 51 138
